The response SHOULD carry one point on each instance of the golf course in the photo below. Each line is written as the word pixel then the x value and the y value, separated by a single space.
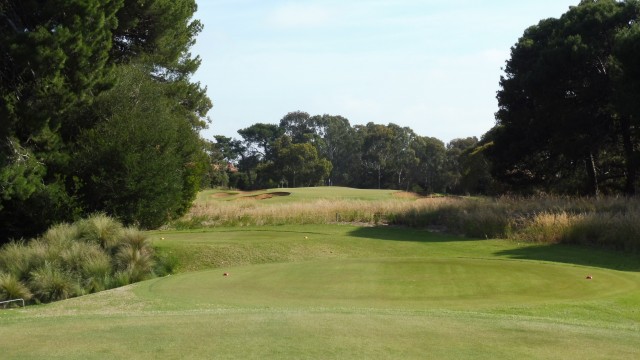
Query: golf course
pixel 347 291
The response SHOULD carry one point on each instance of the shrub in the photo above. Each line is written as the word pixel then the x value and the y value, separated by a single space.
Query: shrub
pixel 12 288
pixel 91 255
pixel 50 283
pixel 137 262
pixel 102 230
pixel 15 260
pixel 61 234
pixel 96 272
pixel 135 238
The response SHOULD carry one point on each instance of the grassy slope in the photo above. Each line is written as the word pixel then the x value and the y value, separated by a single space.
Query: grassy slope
pixel 299 194
pixel 348 292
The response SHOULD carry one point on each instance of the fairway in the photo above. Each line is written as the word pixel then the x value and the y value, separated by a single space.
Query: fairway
pixel 397 283
pixel 336 291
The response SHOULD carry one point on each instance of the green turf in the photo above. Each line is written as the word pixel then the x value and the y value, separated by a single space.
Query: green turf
pixel 299 194
pixel 348 292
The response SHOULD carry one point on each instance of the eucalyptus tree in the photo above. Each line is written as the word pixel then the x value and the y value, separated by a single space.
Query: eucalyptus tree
pixel 431 155
pixel 403 156
pixel 296 164
pixel 258 142
pixel 300 127
pixel 339 145
pixel 377 143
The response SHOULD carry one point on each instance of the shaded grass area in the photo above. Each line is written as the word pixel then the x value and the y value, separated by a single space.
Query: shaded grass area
pixel 561 253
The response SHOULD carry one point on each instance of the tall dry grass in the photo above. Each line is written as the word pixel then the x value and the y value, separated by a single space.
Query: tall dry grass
pixel 321 211
pixel 605 222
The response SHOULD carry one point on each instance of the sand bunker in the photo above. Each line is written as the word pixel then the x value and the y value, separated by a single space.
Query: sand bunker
pixel 265 196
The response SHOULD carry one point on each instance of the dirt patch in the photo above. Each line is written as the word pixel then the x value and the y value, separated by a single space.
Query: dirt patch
pixel 280 193
pixel 265 196
pixel 221 195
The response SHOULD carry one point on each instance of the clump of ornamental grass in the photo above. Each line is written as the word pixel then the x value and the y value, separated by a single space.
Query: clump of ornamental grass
pixel 12 288
pixel 52 283
pixel 68 260
pixel 100 229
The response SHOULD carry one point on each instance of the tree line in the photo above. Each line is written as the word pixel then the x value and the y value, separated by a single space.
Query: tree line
pixel 305 150
pixel 568 122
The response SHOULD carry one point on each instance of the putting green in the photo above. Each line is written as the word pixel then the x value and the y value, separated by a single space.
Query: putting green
pixel 391 283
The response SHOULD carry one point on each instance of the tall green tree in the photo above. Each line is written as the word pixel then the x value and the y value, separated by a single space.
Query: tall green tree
pixel 296 164
pixel 300 127
pixel 124 168
pixel 558 120
pixel 626 95
pixel 403 156
pixel 376 150
pixel 58 57
pixel 54 59
pixel 454 168
pixel 339 145
pixel 429 171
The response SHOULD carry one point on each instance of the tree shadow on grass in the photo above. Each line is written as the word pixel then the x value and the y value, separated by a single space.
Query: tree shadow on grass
pixel 396 233
pixel 577 255
pixel 560 253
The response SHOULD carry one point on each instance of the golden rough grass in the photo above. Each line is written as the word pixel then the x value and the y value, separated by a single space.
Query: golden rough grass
pixel 321 211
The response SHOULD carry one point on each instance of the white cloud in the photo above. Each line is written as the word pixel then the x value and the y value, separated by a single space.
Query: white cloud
pixel 299 16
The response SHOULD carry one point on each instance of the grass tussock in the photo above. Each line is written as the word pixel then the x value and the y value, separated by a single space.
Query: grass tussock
pixel 69 260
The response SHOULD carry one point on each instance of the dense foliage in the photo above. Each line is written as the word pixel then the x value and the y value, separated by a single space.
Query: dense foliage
pixel 98 112
pixel 568 116
pixel 305 150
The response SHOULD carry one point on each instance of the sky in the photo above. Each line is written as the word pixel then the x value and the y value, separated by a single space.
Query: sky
pixel 431 65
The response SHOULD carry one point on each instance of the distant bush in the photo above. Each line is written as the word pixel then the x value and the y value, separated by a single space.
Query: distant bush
pixel 69 260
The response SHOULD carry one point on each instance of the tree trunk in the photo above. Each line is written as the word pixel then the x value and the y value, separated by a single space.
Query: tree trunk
pixel 629 156
pixel 592 175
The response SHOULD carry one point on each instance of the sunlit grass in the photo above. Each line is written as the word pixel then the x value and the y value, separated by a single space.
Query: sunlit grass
pixel 340 291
